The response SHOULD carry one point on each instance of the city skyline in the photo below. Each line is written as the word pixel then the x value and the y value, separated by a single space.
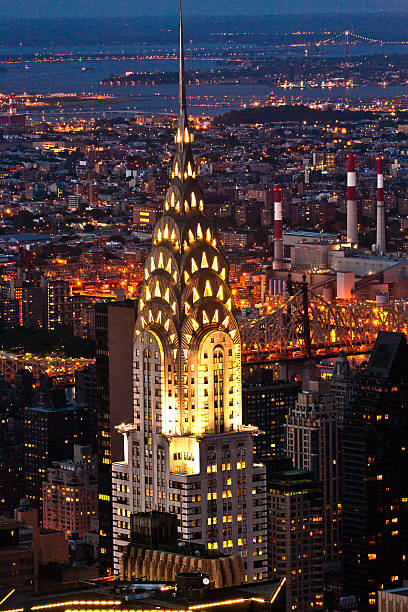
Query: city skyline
pixel 203 312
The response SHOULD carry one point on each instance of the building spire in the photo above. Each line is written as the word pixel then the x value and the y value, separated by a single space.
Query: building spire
pixel 183 168
pixel 182 74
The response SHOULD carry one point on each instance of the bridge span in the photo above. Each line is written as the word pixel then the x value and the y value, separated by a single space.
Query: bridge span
pixel 306 326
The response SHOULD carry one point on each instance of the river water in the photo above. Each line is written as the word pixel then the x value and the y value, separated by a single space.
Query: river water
pixel 85 75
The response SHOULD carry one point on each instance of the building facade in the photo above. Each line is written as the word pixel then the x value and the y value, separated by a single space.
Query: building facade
pixel 186 450
pixel 375 475
pixel 70 493
pixel 313 444
pixel 295 537
pixel 265 403
pixel 50 433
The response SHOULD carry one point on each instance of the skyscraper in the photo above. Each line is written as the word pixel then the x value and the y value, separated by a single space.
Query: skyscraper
pixel 50 432
pixel 341 384
pixel 186 450
pixel 312 443
pixel 295 536
pixel 375 475
pixel 266 403
pixel 114 326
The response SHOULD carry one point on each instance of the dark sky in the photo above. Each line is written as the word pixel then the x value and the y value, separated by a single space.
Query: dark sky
pixel 133 8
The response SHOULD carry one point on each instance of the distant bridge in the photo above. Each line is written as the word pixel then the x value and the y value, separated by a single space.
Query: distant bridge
pixel 307 326
pixel 348 37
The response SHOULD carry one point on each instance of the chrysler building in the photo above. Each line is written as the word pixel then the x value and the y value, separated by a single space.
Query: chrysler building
pixel 186 450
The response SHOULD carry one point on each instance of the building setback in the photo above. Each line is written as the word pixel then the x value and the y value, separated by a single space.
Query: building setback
pixel 186 451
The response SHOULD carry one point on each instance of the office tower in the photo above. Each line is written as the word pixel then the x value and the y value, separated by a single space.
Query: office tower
pixel 86 395
pixel 11 462
pixel 393 599
pixel 70 493
pixel 49 435
pixel 375 475
pixel 295 536
pixel 103 442
pixel 312 443
pixel 342 386
pixel 33 305
pixel 114 329
pixel 186 450
pixel 13 400
pixel 57 302
pixel 265 404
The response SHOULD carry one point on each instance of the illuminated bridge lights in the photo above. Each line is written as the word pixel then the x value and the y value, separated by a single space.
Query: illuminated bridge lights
pixel 76 602
pixel 352 326
pixel 89 602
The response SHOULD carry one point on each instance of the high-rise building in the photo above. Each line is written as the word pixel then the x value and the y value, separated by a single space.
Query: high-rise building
pixel 312 444
pixel 70 493
pixel 86 395
pixel 114 328
pixel 295 536
pixel 342 387
pixel 58 303
pixel 186 450
pixel 265 403
pixel 50 433
pixel 375 475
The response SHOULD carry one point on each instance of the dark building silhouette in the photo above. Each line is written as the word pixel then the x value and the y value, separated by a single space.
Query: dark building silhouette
pixel 265 403
pixel 295 534
pixel 13 400
pixel 341 384
pixel 375 475
pixel 50 432
pixel 86 394
pixel 114 329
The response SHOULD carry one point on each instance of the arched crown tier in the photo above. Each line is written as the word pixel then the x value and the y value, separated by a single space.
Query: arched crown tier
pixel 185 320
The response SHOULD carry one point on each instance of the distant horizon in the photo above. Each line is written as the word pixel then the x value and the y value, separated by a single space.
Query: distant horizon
pixel 169 18
pixel 46 9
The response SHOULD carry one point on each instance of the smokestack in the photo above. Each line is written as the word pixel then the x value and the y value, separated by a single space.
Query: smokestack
pixel 277 239
pixel 12 105
pixel 380 241
pixel 352 234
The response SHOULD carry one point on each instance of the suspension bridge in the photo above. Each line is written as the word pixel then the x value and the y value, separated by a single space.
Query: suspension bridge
pixel 349 37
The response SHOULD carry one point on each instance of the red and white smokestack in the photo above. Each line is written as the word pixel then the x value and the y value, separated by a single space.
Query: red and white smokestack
pixel 352 233
pixel 380 240
pixel 12 105
pixel 277 223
